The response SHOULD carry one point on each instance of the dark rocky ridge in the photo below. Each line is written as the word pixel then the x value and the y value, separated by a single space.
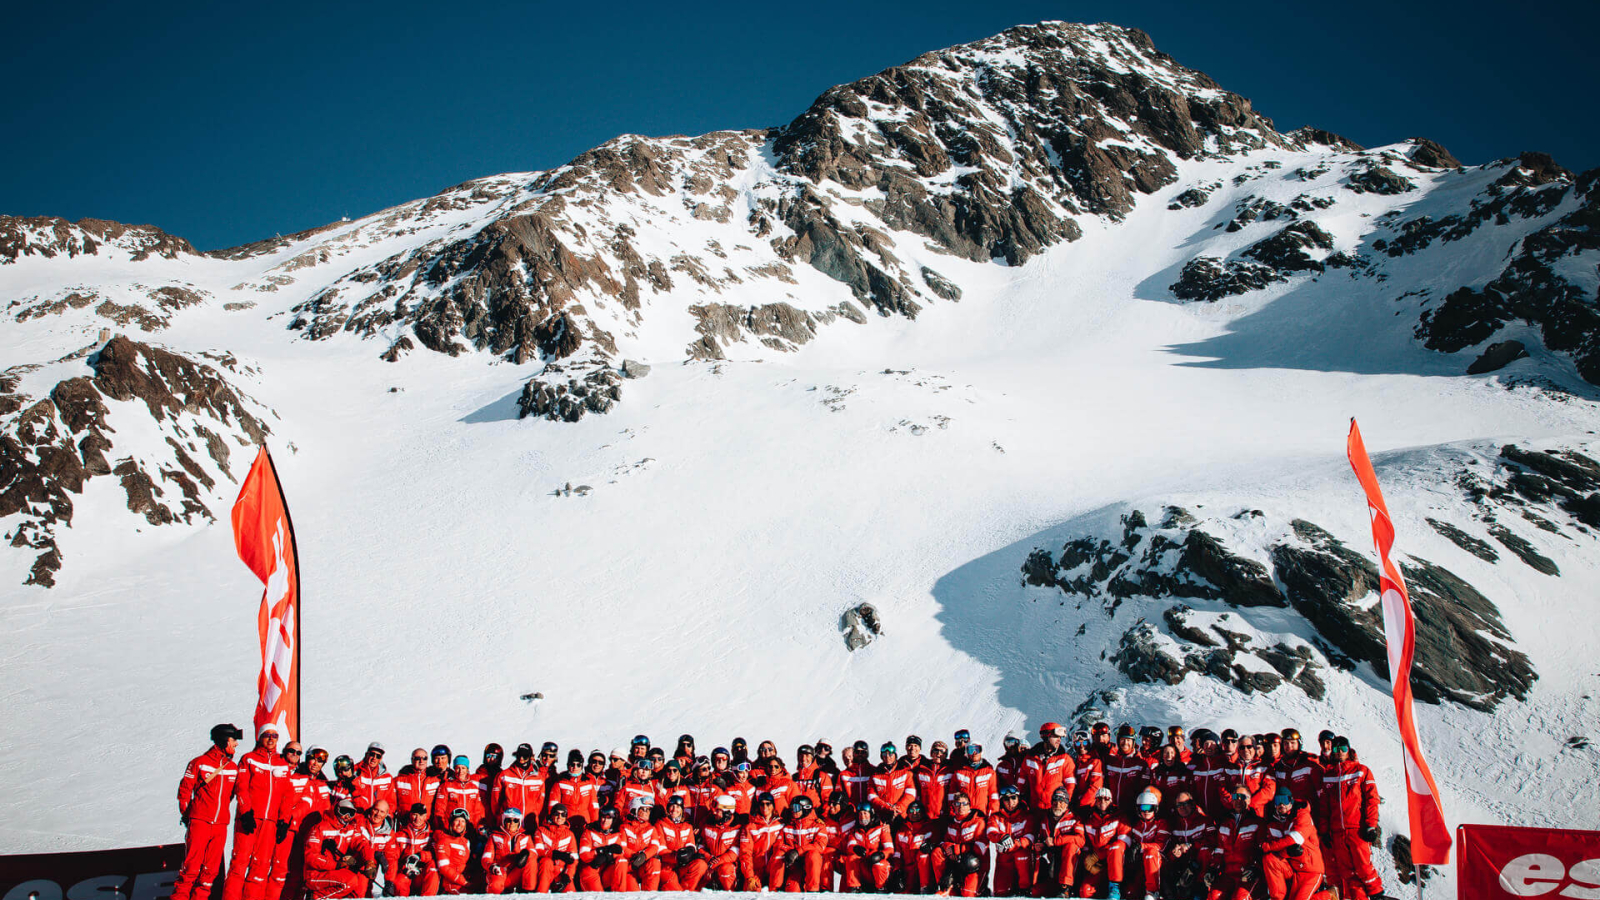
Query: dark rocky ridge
pixel 52 236
pixel 50 447
pixel 1093 116
pixel 1179 575
pixel 1532 288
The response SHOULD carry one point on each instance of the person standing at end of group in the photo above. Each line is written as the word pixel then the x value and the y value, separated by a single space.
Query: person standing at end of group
pixel 204 795
pixel 1347 817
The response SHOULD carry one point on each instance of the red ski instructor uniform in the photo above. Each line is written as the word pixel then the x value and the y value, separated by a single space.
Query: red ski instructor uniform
pixel 204 796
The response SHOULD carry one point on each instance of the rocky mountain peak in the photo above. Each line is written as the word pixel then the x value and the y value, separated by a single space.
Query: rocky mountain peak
pixel 49 237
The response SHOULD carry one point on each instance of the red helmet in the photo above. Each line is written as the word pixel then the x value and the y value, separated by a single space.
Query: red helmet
pixel 1055 728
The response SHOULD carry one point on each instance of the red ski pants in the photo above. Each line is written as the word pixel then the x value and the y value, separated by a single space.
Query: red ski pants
pixel 1284 882
pixel 202 857
pixel 1094 884
pixel 550 870
pixel 1350 865
pixel 962 884
pixel 1013 872
pixel 523 878
pixel 806 873
pixel 857 873
pixel 687 877
pixel 917 873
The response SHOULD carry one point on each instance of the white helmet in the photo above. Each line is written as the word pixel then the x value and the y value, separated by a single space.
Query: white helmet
pixel 725 801
pixel 1147 797
pixel 638 803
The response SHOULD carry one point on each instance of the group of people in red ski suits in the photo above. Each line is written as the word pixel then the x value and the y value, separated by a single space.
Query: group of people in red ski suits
pixel 1176 817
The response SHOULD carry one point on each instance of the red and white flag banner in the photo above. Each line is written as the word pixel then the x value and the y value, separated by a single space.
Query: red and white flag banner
pixel 264 537
pixel 1430 836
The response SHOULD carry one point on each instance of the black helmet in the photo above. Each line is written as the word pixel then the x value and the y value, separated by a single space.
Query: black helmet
pixel 915 809
pixel 836 796
pixel 801 805
pixel 1124 731
pixel 221 733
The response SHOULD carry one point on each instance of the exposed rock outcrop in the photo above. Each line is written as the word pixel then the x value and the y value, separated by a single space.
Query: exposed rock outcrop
pixel 1431 154
pixel 1220 625
pixel 1538 286
pixel 1208 279
pixel 52 236
pixel 50 447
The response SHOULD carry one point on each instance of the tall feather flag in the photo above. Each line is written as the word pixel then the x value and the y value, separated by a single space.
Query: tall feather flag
pixel 264 537
pixel 1430 837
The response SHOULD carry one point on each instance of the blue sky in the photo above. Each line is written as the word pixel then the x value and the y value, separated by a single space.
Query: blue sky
pixel 230 123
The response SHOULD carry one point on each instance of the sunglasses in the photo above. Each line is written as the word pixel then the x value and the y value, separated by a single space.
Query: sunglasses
pixel 320 756
pixel 291 752
pixel 1230 740
pixel 419 759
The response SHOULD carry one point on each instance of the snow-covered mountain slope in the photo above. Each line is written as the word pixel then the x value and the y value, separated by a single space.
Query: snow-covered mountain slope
pixel 930 346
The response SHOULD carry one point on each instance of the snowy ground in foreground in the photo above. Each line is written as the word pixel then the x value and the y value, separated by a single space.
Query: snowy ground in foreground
pixel 737 509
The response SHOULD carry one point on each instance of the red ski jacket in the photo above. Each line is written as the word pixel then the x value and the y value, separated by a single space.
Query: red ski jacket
pixel 722 843
pixel 348 839
pixel 981 785
pixel 414 786
pixel 454 795
pixel 1044 772
pixel 263 788
pixel 371 785
pixel 450 854
pixel 501 846
pixel 1297 829
pixel 965 835
pixel 207 787
pixel 1349 797
pixel 892 790
pixel 1236 841
pixel 521 788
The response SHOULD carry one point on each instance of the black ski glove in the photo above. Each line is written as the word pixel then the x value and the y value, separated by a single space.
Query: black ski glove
pixel 561 856
pixel 685 855
pixel 247 823
pixel 790 856
pixel 859 851
pixel 638 859
pixel 874 857
pixel 1295 850
pixel 1370 834
pixel 283 832
pixel 330 846
pixel 560 884
pixel 520 858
